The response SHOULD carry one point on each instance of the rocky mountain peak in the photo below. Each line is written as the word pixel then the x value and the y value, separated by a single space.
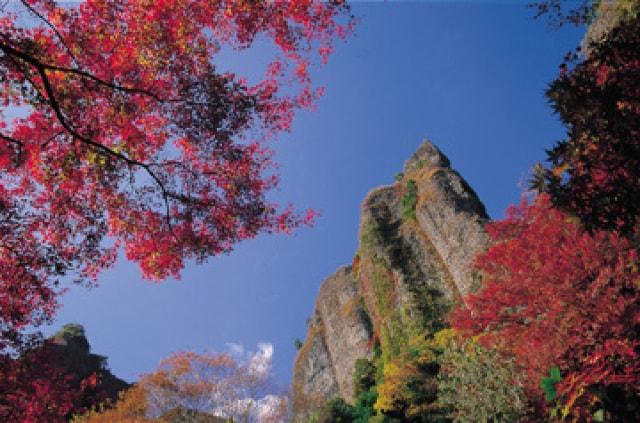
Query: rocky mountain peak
pixel 418 238
pixel 426 155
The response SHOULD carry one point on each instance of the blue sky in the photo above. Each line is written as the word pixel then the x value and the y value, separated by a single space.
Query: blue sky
pixel 469 75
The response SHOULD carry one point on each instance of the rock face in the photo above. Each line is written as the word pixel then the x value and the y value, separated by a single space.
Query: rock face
pixel 339 332
pixel 418 238
pixel 449 214
pixel 609 14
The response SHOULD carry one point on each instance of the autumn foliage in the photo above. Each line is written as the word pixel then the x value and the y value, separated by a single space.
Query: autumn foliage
pixel 132 132
pixel 594 172
pixel 195 387
pixel 35 388
pixel 561 282
pixel 556 295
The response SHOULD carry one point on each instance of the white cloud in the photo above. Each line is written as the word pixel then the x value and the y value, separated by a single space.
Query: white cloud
pixel 269 407
pixel 261 362
pixel 262 405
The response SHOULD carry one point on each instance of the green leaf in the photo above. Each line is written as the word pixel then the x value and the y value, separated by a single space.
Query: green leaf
pixel 598 416
pixel 548 384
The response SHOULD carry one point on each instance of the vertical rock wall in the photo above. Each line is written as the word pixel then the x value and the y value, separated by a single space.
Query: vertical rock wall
pixel 338 335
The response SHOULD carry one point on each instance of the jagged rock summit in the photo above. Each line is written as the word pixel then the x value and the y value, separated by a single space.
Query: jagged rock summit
pixel 418 238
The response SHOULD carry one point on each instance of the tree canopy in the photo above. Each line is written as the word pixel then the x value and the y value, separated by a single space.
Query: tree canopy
pixel 131 136
pixel 594 172
pixel 557 295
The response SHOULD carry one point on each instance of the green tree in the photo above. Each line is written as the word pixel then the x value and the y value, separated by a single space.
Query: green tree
pixel 476 385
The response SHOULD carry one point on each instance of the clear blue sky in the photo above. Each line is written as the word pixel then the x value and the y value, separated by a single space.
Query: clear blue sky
pixel 469 75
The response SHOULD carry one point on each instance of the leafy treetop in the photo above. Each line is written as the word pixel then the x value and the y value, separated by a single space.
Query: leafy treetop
pixel 594 172
pixel 194 387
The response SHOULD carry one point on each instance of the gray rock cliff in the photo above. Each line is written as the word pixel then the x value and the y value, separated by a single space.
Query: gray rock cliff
pixel 418 238
pixel 338 334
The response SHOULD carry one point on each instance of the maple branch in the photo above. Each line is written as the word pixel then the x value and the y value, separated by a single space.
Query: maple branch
pixel 51 138
pixel 117 87
pixel 12 140
pixel 18 143
pixel 12 51
pixel 9 50
pixel 131 162
pixel 42 68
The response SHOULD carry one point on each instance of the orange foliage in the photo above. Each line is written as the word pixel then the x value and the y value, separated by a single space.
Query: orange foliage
pixel 198 387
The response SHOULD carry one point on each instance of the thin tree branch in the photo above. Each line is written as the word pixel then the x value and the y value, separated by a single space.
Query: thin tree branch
pixel 9 50
pixel 51 138
pixel 11 140
pixel 42 68
pixel 53 28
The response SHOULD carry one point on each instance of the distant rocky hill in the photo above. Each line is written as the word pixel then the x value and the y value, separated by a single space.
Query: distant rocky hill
pixel 418 238
pixel 73 353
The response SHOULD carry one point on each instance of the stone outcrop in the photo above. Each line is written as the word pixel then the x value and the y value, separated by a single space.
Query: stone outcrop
pixel 73 353
pixel 418 238
pixel 449 214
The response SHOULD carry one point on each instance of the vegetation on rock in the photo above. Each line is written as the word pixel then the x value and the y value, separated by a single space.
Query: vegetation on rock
pixel 409 200
pixel 477 384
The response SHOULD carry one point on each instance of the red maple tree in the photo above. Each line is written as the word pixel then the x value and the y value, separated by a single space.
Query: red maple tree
pixel 557 295
pixel 133 133
pixel 35 388
pixel 594 172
